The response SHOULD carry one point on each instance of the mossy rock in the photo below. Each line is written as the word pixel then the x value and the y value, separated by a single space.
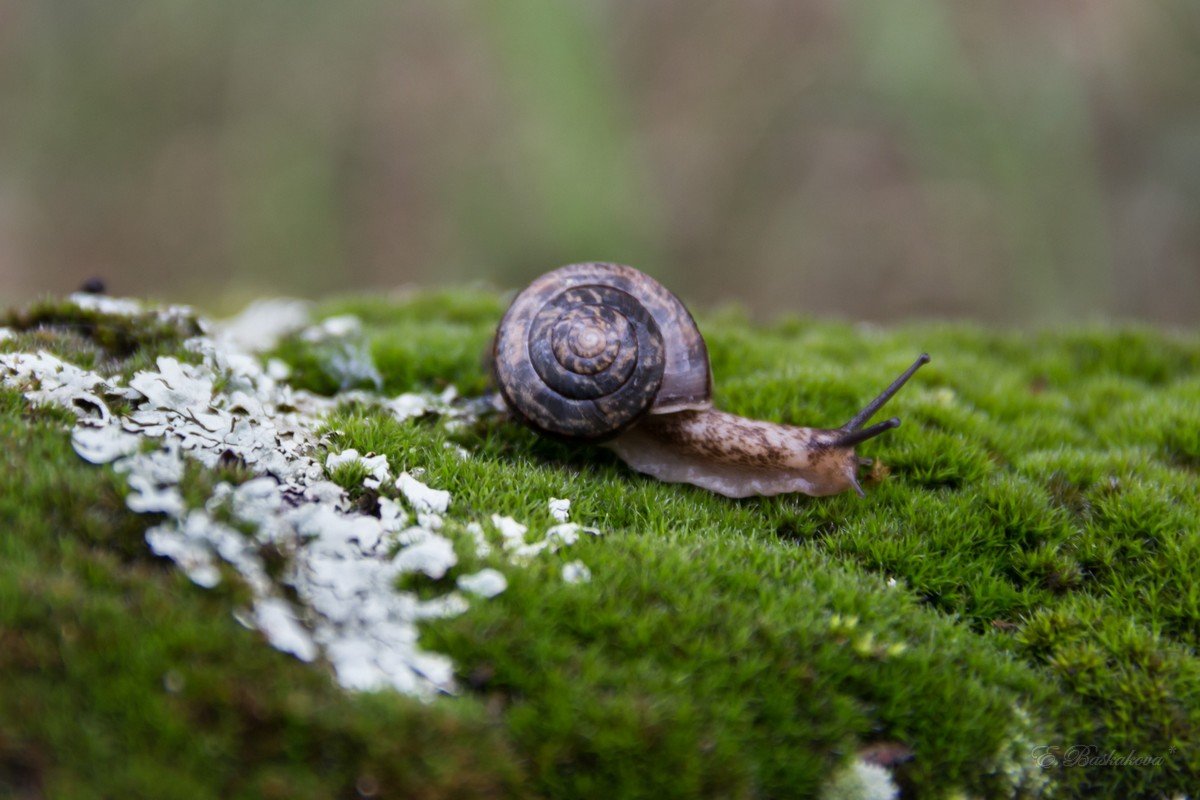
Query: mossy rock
pixel 1020 580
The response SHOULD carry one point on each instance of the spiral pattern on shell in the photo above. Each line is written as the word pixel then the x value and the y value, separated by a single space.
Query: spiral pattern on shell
pixel 582 353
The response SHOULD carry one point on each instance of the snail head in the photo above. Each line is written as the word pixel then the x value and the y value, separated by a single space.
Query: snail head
pixel 856 431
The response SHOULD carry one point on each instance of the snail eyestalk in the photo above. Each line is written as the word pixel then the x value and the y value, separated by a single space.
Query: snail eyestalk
pixel 872 408
pixel 851 438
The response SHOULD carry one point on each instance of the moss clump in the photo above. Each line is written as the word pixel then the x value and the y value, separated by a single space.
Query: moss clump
pixel 95 340
pixel 1019 580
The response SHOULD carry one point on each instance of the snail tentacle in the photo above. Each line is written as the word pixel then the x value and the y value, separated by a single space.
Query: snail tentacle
pixel 852 438
pixel 871 408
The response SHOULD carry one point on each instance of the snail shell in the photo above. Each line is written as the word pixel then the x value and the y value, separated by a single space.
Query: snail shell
pixel 587 350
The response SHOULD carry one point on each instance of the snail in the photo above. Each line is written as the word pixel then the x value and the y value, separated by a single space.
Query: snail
pixel 604 354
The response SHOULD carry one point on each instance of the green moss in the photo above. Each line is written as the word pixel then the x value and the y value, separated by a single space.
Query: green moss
pixel 121 678
pixel 1039 513
pixel 418 342
pixel 95 340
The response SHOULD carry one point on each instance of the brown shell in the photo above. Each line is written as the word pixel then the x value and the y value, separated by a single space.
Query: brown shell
pixel 587 350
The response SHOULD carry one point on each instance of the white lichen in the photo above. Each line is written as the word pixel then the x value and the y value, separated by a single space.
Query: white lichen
pixel 376 466
pixel 103 304
pixel 483 548
pixel 861 780
pixel 457 449
pixel 262 324
pixel 563 535
pixel 487 582
pixel 338 327
pixel 511 531
pixel 576 572
pixel 103 444
pixel 560 509
pixel 341 566
pixel 433 556
pixel 412 404
pixel 520 551
pixel 421 497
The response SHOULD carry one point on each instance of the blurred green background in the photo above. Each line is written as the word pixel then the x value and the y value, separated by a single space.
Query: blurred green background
pixel 1026 161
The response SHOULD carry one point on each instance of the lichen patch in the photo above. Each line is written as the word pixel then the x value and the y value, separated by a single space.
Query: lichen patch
pixel 560 509
pixel 336 598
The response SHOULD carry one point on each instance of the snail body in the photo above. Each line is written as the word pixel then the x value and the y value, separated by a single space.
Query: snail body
pixel 602 353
